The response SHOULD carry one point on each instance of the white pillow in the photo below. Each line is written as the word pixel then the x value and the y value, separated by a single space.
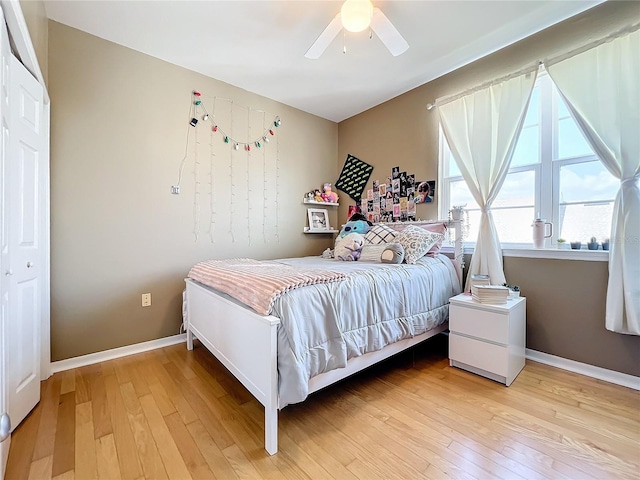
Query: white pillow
pixel 416 242
pixel 380 234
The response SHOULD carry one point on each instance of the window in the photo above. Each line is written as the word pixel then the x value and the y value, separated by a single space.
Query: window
pixel 554 174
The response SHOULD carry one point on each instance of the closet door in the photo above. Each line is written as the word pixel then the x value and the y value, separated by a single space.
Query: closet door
pixel 5 271
pixel 25 173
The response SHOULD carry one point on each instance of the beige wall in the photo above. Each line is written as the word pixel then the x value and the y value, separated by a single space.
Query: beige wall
pixel 118 129
pixel 402 132
pixel 37 24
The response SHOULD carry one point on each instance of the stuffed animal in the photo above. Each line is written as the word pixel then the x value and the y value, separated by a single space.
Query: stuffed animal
pixel 349 247
pixel 357 226
pixel 328 195
pixel 393 253
pixel 317 196
pixel 359 216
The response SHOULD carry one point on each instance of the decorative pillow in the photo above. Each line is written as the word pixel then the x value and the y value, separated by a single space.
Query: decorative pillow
pixel 436 227
pixel 372 253
pixel 393 253
pixel 380 234
pixel 416 242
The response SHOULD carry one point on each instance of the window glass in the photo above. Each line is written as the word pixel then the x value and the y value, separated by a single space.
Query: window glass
pixel 580 222
pixel 518 190
pixel 460 194
pixel 513 224
pixel 571 142
pixel 587 182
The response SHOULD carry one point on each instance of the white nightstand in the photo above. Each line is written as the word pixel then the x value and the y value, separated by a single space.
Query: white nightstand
pixel 487 339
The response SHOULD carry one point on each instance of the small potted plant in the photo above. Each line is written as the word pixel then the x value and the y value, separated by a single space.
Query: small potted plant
pixel 593 244
pixel 577 245
pixel 562 243
pixel 514 290
pixel 457 211
pixel 605 244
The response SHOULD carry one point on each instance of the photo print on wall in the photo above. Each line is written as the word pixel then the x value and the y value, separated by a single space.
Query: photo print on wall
pixel 396 200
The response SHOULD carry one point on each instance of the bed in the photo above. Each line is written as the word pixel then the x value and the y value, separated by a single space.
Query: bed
pixel 351 316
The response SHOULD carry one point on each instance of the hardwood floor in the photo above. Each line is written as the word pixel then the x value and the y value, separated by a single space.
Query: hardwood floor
pixel 176 414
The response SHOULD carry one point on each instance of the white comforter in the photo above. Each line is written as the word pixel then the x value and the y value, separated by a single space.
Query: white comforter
pixel 322 326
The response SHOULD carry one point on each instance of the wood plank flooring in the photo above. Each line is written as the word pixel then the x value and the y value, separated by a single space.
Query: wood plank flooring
pixel 176 414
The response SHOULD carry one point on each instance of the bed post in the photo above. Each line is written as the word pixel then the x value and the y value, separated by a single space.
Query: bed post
pixel 458 256
pixel 271 400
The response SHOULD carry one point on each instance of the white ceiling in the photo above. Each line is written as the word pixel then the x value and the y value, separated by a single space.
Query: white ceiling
pixel 260 45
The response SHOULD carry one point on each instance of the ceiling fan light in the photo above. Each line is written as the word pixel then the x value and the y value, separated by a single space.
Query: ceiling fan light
pixel 356 15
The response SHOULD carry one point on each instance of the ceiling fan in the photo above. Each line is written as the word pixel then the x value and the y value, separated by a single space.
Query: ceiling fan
pixel 356 16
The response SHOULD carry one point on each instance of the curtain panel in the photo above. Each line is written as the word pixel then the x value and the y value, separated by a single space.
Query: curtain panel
pixel 601 87
pixel 481 129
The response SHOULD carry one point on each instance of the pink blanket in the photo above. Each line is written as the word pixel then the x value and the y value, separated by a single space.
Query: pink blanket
pixel 257 283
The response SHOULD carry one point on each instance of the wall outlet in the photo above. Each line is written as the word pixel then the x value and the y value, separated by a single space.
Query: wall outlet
pixel 175 189
pixel 146 299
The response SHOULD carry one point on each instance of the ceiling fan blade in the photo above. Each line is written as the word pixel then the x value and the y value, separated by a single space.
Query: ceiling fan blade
pixel 325 38
pixel 385 30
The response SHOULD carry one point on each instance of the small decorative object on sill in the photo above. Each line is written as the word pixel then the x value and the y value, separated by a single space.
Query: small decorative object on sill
pixel 540 232
pixel 562 244
pixel 593 244
pixel 605 244
pixel 514 290
pixel 576 245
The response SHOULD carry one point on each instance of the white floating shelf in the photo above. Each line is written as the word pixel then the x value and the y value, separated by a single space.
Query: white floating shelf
pixel 321 231
pixel 313 202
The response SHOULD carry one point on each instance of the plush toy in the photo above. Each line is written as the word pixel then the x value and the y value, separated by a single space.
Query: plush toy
pixel 349 247
pixel 393 253
pixel 357 226
pixel 359 216
pixel 328 195
pixel 317 196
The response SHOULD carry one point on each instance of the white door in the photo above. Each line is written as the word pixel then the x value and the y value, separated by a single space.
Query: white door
pixel 5 56
pixel 25 171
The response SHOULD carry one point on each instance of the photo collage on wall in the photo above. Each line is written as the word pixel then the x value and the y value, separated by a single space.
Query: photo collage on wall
pixel 396 200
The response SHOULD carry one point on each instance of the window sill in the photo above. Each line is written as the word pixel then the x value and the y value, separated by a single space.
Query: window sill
pixel 550 253
pixel 558 254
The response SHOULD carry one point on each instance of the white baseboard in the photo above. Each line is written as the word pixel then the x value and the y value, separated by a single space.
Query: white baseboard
pixel 610 376
pixel 114 353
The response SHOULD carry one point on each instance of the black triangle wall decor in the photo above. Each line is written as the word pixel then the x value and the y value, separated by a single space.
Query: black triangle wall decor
pixel 354 176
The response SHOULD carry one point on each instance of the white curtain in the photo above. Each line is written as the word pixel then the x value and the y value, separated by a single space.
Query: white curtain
pixel 481 129
pixel 601 87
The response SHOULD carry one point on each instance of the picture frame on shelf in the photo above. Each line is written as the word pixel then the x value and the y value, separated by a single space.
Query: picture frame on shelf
pixel 318 219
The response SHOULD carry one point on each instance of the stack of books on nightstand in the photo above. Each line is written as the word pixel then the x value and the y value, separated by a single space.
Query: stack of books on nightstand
pixel 479 279
pixel 495 294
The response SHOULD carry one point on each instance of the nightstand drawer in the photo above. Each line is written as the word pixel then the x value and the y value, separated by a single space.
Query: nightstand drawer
pixel 486 356
pixel 479 323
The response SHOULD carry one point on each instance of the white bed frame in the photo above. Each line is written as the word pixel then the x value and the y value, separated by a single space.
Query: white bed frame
pixel 246 344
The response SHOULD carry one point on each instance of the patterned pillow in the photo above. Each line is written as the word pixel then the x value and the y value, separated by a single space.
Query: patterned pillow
pixel 437 227
pixel 417 242
pixel 379 234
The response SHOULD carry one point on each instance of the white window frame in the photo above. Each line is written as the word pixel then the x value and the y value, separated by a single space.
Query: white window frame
pixel 546 171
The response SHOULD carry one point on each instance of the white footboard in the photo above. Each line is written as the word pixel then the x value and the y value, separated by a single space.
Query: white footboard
pixel 244 342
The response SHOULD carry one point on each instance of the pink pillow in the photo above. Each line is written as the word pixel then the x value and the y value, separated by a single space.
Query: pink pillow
pixel 430 227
